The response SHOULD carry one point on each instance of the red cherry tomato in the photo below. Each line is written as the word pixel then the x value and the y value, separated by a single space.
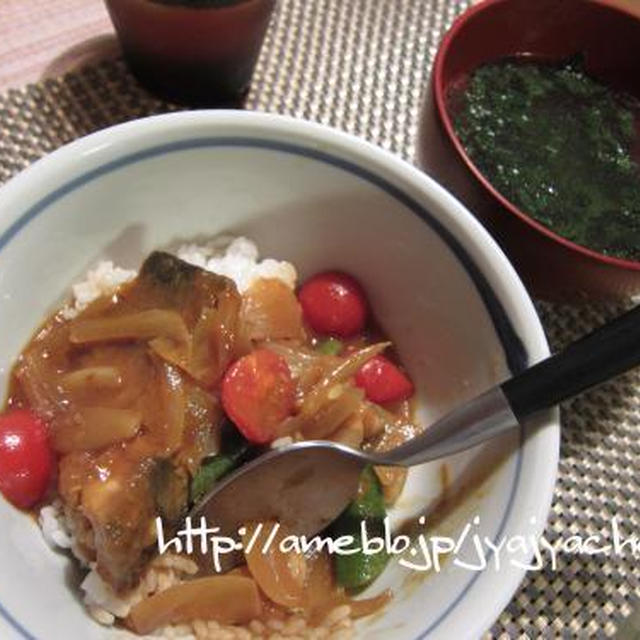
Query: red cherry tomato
pixel 26 462
pixel 382 381
pixel 258 393
pixel 334 303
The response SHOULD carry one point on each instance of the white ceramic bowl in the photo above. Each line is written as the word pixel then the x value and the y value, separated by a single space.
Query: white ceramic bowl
pixel 442 289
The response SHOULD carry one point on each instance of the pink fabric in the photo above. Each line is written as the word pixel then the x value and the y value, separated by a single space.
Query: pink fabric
pixel 39 38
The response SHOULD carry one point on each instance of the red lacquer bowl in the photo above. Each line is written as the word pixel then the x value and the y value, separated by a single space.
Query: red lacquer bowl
pixel 609 37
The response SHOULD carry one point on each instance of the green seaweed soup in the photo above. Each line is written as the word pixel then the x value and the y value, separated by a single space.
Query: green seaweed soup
pixel 559 145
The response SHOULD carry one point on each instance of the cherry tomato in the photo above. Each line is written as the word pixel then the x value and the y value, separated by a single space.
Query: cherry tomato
pixel 334 303
pixel 258 393
pixel 383 381
pixel 26 462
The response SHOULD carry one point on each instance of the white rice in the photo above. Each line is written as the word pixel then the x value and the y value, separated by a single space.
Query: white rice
pixel 54 530
pixel 105 605
pixel 238 259
pixel 101 281
pixel 284 441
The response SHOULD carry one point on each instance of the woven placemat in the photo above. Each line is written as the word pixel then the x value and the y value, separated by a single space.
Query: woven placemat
pixel 361 66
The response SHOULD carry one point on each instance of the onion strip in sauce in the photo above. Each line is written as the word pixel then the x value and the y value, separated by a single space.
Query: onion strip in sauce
pixel 336 410
pixel 229 599
pixel 144 325
pixel 95 377
pixel 90 428
pixel 350 433
pixel 271 311
pixel 281 575
pixel 38 379
pixel 347 368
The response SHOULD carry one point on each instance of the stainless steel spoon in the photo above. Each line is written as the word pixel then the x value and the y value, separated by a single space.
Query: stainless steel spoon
pixel 305 486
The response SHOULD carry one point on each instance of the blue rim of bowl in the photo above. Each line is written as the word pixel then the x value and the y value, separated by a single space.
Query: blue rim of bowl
pixel 515 352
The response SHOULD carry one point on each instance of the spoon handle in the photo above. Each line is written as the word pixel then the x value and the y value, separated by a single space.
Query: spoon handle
pixel 603 354
pixel 606 352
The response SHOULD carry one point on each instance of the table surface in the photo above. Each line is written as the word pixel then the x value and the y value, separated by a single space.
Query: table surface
pixel 45 38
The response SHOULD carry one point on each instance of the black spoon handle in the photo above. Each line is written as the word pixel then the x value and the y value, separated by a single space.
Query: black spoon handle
pixel 610 350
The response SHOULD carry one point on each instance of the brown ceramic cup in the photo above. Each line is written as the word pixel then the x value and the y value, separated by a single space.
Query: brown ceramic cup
pixel 194 52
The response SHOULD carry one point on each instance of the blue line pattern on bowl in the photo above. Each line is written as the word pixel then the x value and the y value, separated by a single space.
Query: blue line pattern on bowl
pixel 514 350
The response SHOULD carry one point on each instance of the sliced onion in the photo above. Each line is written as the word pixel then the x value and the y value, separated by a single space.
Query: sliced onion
pixel 201 438
pixel 176 353
pixel 350 432
pixel 300 359
pixel 307 366
pixel 375 420
pixel 216 340
pixel 170 417
pixel 271 311
pixel 333 413
pixel 92 377
pixel 39 381
pixel 362 608
pixel 144 325
pixel 282 576
pixel 229 599
pixel 393 479
pixel 38 366
pixel 92 428
pixel 213 345
pixel 321 593
pixel 342 372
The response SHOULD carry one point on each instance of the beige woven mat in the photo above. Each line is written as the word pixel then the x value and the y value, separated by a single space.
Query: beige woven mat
pixel 361 65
